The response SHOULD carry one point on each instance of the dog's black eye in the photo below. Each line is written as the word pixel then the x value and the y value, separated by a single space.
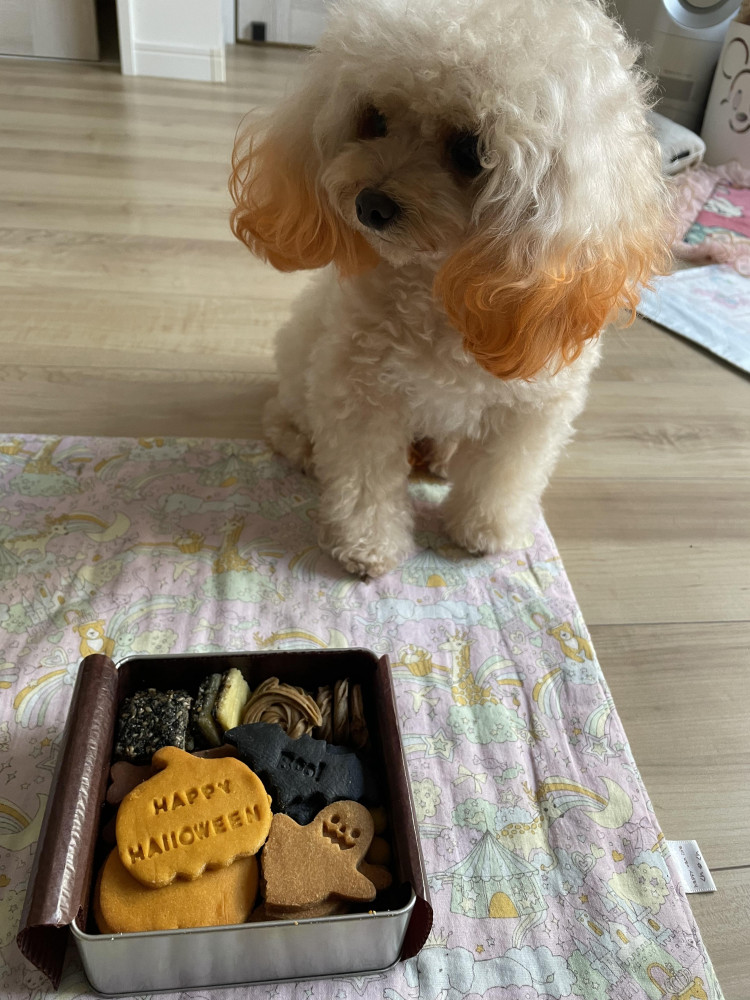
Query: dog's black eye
pixel 463 149
pixel 372 124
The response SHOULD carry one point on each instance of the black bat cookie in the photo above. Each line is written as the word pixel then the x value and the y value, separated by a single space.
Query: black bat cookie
pixel 303 775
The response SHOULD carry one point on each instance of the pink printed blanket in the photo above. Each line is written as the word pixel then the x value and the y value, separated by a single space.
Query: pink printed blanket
pixel 549 875
pixel 713 208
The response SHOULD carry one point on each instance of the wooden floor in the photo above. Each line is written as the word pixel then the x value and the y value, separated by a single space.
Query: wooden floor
pixel 128 308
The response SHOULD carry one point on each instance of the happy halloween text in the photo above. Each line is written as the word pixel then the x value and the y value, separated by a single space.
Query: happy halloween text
pixel 191 832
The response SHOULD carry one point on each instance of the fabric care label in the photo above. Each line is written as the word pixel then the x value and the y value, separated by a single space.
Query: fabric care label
pixel 691 867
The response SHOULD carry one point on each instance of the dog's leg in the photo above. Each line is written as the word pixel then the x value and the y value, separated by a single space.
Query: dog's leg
pixel 362 465
pixel 284 436
pixel 434 456
pixel 498 481
pixel 285 423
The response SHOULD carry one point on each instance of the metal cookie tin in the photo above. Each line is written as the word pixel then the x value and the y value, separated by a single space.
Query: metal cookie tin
pixel 69 850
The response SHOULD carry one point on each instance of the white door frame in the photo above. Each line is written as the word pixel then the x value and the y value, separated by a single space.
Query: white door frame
pixel 179 39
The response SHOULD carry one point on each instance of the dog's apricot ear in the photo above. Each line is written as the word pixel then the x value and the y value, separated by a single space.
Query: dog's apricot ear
pixel 518 316
pixel 281 216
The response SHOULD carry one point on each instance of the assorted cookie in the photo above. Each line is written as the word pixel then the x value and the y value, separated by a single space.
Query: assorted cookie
pixel 234 694
pixel 123 777
pixel 358 734
pixel 218 706
pixel 302 775
pixel 342 715
pixel 292 708
pixel 193 814
pixel 151 720
pixel 123 905
pixel 321 862
pixel 232 790
pixel 224 701
pixel 205 725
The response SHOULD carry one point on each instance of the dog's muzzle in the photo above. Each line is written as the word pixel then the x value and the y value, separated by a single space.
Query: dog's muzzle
pixel 375 209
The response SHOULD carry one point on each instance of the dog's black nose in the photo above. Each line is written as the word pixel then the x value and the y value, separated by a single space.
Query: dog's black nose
pixel 375 209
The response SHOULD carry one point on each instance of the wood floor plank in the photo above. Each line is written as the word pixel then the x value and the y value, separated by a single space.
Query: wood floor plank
pixel 682 693
pixel 46 262
pixel 41 361
pixel 160 325
pixel 123 216
pixel 722 918
pixel 645 353
pixel 636 430
pixel 659 407
pixel 108 167
pixel 93 138
pixel 654 551
pixel 135 403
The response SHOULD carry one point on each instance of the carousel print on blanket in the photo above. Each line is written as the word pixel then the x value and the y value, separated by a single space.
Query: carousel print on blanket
pixel 549 875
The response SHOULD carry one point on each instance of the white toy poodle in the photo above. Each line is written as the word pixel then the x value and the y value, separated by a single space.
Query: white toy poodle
pixel 479 182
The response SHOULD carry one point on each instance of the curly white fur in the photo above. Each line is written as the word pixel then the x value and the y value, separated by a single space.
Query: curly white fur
pixel 472 317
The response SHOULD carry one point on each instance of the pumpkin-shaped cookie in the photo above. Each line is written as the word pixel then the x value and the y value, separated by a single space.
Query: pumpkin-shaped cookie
pixel 124 905
pixel 194 814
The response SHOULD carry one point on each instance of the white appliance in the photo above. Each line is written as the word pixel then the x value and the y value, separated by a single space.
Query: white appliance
pixel 682 40
pixel 680 148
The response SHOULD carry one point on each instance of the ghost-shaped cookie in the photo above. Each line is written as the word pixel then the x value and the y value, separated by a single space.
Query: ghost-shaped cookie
pixel 304 866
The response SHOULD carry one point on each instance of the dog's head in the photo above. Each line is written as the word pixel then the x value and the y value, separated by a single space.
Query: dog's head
pixel 504 141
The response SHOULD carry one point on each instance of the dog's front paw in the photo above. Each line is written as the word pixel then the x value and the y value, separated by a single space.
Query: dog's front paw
pixel 366 555
pixel 285 437
pixel 485 535
pixel 367 563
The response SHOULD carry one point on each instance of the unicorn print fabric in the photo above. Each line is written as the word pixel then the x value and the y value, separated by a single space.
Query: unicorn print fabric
pixel 549 875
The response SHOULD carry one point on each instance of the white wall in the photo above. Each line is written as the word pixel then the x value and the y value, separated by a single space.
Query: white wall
pixel 296 22
pixel 182 39
pixel 60 29
pixel 230 33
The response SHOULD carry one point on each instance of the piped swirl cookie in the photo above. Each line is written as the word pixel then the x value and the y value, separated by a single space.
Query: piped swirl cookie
pixel 292 708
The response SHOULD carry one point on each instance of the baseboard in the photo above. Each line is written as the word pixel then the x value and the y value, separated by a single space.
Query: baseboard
pixel 179 62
